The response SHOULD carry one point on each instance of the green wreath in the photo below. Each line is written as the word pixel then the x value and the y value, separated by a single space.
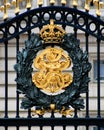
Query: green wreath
pixel 71 95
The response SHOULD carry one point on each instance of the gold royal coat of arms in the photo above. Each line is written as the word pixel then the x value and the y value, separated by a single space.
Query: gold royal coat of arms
pixel 43 74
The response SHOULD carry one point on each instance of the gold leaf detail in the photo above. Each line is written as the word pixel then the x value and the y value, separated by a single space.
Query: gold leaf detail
pixel 50 76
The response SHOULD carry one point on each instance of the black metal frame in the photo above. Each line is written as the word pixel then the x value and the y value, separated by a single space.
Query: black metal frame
pixel 75 16
pixel 52 122
pixel 67 17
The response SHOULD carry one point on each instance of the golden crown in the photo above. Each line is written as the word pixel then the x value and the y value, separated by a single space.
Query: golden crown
pixel 52 33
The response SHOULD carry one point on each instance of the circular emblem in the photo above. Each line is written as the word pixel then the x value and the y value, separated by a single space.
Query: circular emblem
pixel 50 62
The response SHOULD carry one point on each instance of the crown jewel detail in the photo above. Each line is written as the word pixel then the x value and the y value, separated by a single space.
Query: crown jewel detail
pixel 52 33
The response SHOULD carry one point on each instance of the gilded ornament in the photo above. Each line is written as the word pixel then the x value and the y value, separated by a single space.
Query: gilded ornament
pixel 52 33
pixel 52 2
pixel 87 6
pixel 28 6
pixel 16 4
pixel 50 64
pixel 5 8
pixel 40 2
pixel 75 3
pixel 98 4
pixel 66 112
pixel 64 102
pixel 52 106
pixel 63 2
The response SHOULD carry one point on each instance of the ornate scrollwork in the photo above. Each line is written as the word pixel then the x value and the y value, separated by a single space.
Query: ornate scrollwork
pixel 51 62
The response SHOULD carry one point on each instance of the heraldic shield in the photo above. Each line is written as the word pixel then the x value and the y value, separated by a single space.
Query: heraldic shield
pixel 42 75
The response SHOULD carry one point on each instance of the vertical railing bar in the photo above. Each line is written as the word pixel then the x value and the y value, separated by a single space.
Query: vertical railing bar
pixel 6 74
pixel 52 127
pixel 6 80
pixel 17 94
pixel 87 127
pixel 17 127
pixel 87 49
pixel 29 127
pixel 64 127
pixel 98 128
pixel 98 76
pixel 75 34
pixel 64 19
pixel 17 49
pixel 29 113
pixel 98 70
pixel 41 127
pixel 75 24
pixel 6 127
pixel 29 33
pixel 52 114
pixel 75 127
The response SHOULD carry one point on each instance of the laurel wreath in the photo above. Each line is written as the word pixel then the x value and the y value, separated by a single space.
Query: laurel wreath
pixel 72 94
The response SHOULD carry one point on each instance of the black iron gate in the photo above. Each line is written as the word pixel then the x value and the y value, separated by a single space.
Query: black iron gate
pixel 70 19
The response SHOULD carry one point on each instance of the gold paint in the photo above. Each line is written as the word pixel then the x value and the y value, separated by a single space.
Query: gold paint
pixel 38 112
pixel 28 6
pixel 98 5
pixel 52 33
pixel 16 4
pixel 52 2
pixel 65 112
pixel 7 4
pixel 75 3
pixel 87 7
pixel 5 8
pixel 52 106
pixel 40 2
pixel 50 63
pixel 63 2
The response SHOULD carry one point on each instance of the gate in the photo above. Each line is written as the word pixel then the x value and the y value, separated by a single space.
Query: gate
pixel 16 30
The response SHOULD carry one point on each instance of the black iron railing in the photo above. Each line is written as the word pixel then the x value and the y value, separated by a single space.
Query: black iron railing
pixel 35 18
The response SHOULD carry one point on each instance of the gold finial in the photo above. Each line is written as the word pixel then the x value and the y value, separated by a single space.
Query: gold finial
pixel 40 2
pixel 16 4
pixel 52 33
pixel 98 5
pixel 28 6
pixel 63 2
pixel 52 2
pixel 87 7
pixel 75 3
pixel 52 106
pixel 4 8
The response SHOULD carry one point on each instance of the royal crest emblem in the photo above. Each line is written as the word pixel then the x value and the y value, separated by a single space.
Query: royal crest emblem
pixel 51 88
pixel 51 62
